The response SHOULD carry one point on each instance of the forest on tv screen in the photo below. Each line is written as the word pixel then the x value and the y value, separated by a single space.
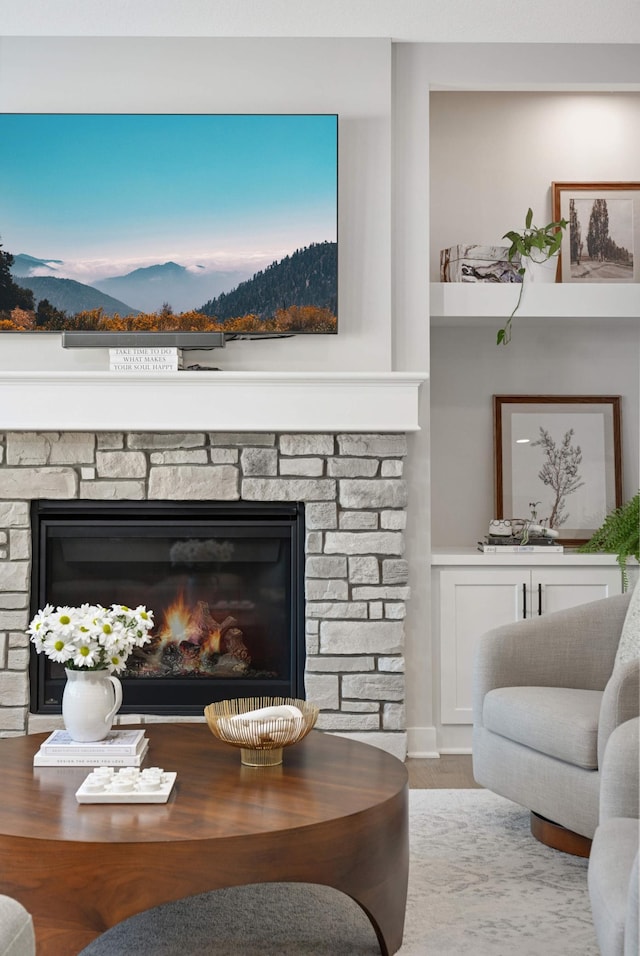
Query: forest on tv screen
pixel 295 294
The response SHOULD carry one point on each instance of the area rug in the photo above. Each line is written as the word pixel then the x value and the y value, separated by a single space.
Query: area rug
pixel 479 885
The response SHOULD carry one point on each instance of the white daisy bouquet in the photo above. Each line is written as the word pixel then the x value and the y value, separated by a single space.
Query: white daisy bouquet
pixel 90 637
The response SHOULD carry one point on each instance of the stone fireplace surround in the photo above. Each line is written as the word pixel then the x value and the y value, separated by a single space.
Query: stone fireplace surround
pixel 355 573
pixel 335 440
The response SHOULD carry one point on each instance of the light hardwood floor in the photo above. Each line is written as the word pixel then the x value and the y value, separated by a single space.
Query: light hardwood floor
pixel 448 772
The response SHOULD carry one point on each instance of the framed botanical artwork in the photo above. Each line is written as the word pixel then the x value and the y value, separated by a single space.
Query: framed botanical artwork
pixel 558 456
pixel 602 240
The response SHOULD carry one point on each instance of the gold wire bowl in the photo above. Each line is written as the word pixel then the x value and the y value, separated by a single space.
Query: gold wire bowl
pixel 261 741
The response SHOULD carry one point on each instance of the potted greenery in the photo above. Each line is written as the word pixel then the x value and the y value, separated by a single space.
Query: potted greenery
pixel 537 244
pixel 619 534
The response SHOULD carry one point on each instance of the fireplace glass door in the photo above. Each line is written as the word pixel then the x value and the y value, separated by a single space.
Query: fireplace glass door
pixel 224 581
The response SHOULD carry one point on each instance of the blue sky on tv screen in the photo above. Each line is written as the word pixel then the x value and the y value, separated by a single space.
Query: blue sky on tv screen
pixel 107 194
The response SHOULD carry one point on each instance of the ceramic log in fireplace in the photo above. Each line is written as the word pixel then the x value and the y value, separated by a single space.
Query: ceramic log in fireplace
pixel 224 580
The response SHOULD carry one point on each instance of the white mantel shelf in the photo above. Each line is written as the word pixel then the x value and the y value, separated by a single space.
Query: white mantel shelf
pixel 210 401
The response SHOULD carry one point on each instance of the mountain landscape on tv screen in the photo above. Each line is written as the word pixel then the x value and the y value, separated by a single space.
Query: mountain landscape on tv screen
pixel 222 222
pixel 297 293
pixel 150 286
pixel 305 279
pixel 71 297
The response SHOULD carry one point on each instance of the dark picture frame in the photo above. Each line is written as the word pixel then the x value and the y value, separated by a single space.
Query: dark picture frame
pixel 602 240
pixel 561 456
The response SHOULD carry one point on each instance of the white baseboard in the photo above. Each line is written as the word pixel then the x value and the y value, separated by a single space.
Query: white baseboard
pixel 422 742
pixel 454 738
pixel 433 741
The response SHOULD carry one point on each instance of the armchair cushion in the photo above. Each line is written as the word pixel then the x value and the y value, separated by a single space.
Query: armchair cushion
pixel 561 722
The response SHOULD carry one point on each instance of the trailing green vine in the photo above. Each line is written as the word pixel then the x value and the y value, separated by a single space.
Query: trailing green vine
pixel 537 243
pixel 619 534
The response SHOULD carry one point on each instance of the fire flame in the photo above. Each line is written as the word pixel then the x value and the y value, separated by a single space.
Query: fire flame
pixel 201 642
pixel 176 623
pixel 182 623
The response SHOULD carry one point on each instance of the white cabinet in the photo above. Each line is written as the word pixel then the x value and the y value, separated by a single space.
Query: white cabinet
pixel 471 597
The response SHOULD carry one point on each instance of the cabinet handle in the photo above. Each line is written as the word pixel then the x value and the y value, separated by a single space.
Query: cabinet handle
pixel 524 601
pixel 539 600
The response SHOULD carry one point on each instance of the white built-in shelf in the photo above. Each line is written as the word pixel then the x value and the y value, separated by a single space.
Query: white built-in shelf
pixel 465 303
pixel 452 557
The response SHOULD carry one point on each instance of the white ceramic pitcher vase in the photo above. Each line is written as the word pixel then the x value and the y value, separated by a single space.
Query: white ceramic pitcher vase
pixel 90 701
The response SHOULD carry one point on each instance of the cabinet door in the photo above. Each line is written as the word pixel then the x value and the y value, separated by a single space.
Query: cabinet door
pixel 554 589
pixel 472 602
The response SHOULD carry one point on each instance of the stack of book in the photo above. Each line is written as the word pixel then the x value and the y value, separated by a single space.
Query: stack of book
pixel 501 544
pixel 120 748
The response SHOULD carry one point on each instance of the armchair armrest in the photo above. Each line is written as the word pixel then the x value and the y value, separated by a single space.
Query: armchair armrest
pixel 17 934
pixel 571 648
pixel 620 702
pixel 619 784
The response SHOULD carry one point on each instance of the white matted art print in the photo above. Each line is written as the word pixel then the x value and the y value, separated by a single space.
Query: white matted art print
pixel 559 457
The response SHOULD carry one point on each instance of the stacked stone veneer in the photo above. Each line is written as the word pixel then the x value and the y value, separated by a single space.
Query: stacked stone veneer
pixel 355 574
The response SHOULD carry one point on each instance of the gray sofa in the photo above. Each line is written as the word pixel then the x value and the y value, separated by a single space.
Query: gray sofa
pixel 546 697
pixel 614 861
pixel 16 929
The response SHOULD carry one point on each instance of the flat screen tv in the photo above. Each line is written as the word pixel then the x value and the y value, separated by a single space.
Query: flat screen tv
pixel 181 227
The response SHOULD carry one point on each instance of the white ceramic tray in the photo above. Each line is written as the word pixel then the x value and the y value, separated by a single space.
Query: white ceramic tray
pixel 126 785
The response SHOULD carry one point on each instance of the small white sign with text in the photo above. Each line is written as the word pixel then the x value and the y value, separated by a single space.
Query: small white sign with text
pixel 158 359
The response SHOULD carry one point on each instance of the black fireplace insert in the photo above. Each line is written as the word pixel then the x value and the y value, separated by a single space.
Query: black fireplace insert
pixel 223 579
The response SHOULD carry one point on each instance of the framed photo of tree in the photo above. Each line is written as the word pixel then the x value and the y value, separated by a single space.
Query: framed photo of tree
pixel 602 241
pixel 560 457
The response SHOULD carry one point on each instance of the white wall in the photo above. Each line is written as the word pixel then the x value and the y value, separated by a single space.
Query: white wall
pixel 468 368
pixel 410 251
pixel 494 154
pixel 348 77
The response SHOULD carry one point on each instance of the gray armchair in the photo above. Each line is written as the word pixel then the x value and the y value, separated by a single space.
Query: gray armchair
pixel 614 861
pixel 546 698
pixel 16 929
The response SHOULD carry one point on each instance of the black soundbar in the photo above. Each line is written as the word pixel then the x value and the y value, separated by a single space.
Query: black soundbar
pixel 112 340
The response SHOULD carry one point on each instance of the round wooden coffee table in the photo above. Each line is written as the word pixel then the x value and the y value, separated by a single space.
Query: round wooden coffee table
pixel 335 813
